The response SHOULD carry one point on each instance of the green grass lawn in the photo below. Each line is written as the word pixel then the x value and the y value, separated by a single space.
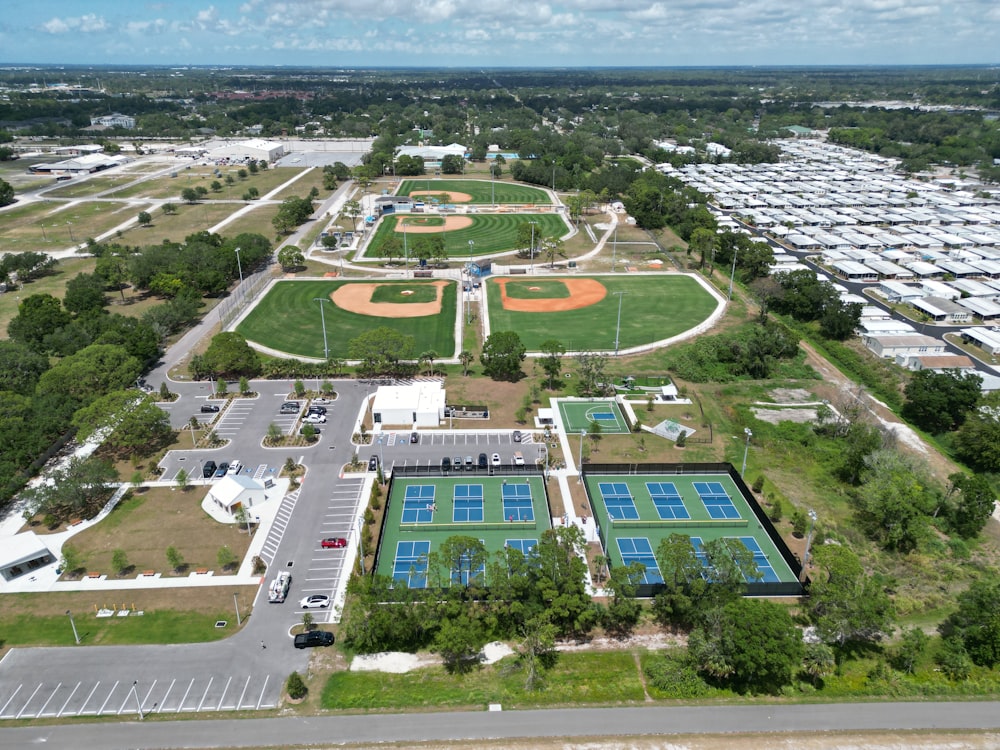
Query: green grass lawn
pixel 490 233
pixel 653 308
pixel 482 191
pixel 288 319
pixel 53 283
pixel 49 225
pixel 594 678
pixel 194 176
pixel 190 218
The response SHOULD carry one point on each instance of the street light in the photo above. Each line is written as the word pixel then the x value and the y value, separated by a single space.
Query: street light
pixel 531 250
pixel 468 298
pixel 239 265
pixel 809 538
pixel 580 478
pixel 76 636
pixel 746 448
pixel 406 249
pixel 322 318
pixel 381 461
pixel 493 175
pixel 618 327
pixel 732 275
pixel 236 603
pixel 135 691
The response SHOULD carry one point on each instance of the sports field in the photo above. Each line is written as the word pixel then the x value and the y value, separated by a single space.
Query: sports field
pixel 582 415
pixel 582 314
pixel 423 512
pixel 472 191
pixel 635 512
pixel 490 233
pixel 288 317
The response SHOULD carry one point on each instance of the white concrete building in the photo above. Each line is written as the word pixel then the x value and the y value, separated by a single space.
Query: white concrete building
pixel 255 148
pixel 418 405
pixel 234 492
pixel 890 347
pixel 23 553
pixel 116 120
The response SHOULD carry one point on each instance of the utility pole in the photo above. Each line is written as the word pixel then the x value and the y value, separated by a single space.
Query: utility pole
pixel 618 327
pixel 531 250
pixel 322 318
pixel 732 275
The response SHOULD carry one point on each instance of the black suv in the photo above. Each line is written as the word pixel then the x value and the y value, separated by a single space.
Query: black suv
pixel 373 463
pixel 483 461
pixel 313 638
pixel 209 469
pixel 209 408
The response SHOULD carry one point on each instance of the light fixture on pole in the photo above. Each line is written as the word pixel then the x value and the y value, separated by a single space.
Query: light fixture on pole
pixel 406 249
pixel 239 265
pixel 809 538
pixel 531 250
pixel 76 636
pixel 618 327
pixel 746 448
pixel 322 318
pixel 138 704
pixel 381 461
pixel 580 478
pixel 468 296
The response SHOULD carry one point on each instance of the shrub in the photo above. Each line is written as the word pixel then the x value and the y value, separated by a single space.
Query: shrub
pixel 296 687
pixel 259 566
pixel 758 483
pixel 682 438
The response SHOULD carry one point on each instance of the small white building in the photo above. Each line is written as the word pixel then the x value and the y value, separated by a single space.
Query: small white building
pixel 942 310
pixel 116 120
pixel 255 149
pixel 235 492
pixel 936 362
pixel 891 347
pixel 23 553
pixel 417 405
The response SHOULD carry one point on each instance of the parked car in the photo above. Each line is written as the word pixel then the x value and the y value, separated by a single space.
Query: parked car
pixel 316 410
pixel 313 638
pixel 279 587
pixel 209 408
pixel 290 407
pixel 316 601
pixel 446 464
pixel 518 459
pixel 223 468
pixel 468 463
pixel 414 437
pixel 314 419
pixel 456 463
pixel 321 400
pixel 235 467
pixel 208 470
pixel 495 460
pixel 334 542
pixel 373 463
pixel 516 436
pixel 483 461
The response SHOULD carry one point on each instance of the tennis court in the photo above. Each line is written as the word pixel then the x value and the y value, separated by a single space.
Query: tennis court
pixel 581 415
pixel 423 512
pixel 636 511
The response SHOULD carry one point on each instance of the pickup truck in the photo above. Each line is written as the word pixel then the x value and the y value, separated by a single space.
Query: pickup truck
pixel 279 587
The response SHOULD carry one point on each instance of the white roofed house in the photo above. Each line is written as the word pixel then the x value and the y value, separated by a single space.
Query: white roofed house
pixel 943 310
pixel 235 492
pixel 890 347
pixel 23 553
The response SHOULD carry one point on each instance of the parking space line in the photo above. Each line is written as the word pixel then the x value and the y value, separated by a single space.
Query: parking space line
pixel 149 692
pixel 239 703
pixel 14 695
pixel 113 688
pixel 263 690
pixel 223 696
pixel 203 697
pixel 184 699
pixel 66 703
pixel 45 705
pixel 163 700
pixel 91 695
pixel 27 703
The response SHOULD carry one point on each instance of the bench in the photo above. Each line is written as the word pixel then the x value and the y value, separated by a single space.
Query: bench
pixel 149 573
pixel 202 571
pixel 93 575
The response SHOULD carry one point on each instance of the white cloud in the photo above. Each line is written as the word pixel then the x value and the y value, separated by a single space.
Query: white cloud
pixel 87 23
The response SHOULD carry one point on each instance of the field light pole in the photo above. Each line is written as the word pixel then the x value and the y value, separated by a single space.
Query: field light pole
pixel 531 250
pixel 732 275
pixel 138 705
pixel 76 636
pixel 614 249
pixel 236 603
pixel 406 249
pixel 809 538
pixel 580 478
pixel 468 298
pixel 493 177
pixel 618 327
pixel 322 318
pixel 239 265
pixel 746 449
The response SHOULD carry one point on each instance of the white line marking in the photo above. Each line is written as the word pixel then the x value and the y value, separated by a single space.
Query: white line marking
pixel 206 693
pixel 28 701
pixel 92 691
pixel 11 698
pixel 166 695
pixel 262 690
pixel 181 704
pixel 223 696
pixel 239 703
pixel 45 705
pixel 113 688
pixel 68 700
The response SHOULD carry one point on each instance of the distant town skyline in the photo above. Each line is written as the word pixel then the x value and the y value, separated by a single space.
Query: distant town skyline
pixel 491 33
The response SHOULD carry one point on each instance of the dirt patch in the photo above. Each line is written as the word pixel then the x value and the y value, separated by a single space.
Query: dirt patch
pixel 582 293
pixel 357 298
pixel 451 223
pixel 453 197
pixel 801 415
pixel 791 395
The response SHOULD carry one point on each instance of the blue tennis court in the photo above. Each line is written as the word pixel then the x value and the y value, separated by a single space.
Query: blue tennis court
pixel 667 500
pixel 637 549
pixel 699 551
pixel 525 546
pixel 603 416
pixel 716 499
pixel 468 503
pixel 418 504
pixel 618 500
pixel 517 502
pixel 463 575
pixel 410 564
pixel 760 560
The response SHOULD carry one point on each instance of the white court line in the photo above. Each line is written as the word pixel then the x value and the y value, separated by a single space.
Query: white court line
pixel 60 713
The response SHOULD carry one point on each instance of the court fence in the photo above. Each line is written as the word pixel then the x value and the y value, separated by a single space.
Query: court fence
pixel 795 588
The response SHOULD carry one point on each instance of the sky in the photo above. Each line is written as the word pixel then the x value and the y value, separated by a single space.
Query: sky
pixel 500 33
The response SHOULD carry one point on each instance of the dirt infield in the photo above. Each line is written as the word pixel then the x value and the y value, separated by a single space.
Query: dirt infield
pixel 453 197
pixel 451 223
pixel 357 298
pixel 582 293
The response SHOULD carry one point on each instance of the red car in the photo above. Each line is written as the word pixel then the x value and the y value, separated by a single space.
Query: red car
pixel 335 542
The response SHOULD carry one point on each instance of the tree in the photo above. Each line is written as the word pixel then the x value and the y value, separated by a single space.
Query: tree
pixel 229 355
pixel 72 561
pixel 216 186
pixel 189 195
pixel 77 490
pixel 894 500
pixel 846 604
pixel 623 611
pixel 119 561
pixel 92 371
pixel 250 194
pixel 459 641
pixel 939 401
pixel 972 501
pixel 6 193
pixel 559 581
pixel 537 649
pixel 459 561
pixel 174 559
pixel 225 558
pixel 169 209
pixel 452 164
pixel 502 355
pixel 295 687
pixel 380 351
pixel 352 209
pixel 466 357
pixel 20 368
pixel 591 377
pixel 754 647
pixel 911 647
pixel 85 293
pixel 182 480
pixel 977 441
pixel 552 247
pixel 132 421
pixel 37 316
pixel 552 361
pixel 702 242
pixel 144 218
pixel 976 623
pixel 289 257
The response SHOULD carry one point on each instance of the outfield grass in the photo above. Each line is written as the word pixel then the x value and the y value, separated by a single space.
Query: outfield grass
pixel 653 308
pixel 482 191
pixel 490 233
pixel 288 319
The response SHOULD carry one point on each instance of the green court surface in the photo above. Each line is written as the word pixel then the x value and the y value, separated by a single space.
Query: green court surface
pixel 481 191
pixel 489 233
pixel 582 415
pixel 653 308
pixel 423 512
pixel 288 319
pixel 635 512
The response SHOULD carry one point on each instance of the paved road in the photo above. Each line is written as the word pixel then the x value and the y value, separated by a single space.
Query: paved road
pixel 468 727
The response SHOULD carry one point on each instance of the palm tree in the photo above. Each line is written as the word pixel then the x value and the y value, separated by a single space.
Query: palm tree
pixel 465 358
pixel 429 357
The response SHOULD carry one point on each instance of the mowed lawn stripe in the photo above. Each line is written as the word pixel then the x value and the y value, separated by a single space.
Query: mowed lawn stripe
pixel 653 308
pixel 288 319
pixel 490 233
pixel 482 191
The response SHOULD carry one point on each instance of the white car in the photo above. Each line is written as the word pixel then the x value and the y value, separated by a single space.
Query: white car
pixel 235 467
pixel 496 459
pixel 518 459
pixel 314 418
pixel 316 601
